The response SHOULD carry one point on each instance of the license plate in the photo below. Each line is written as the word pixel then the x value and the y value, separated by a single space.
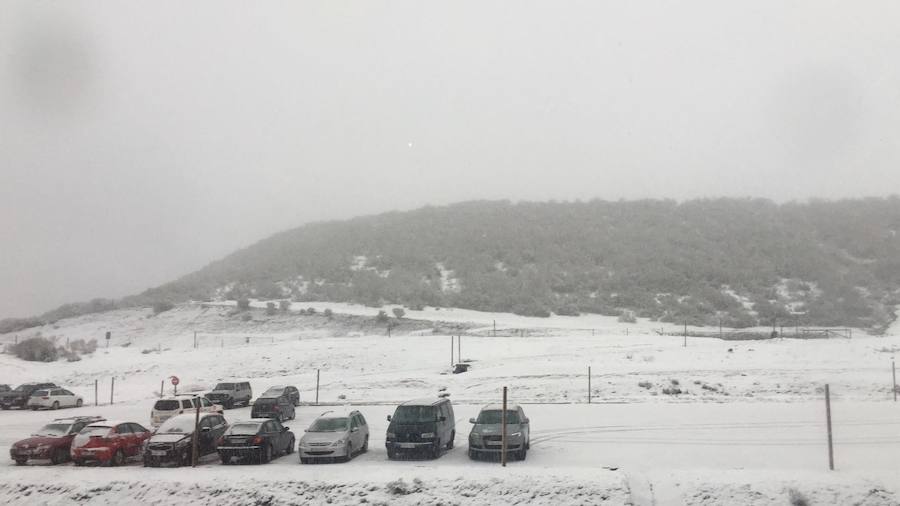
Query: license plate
pixel 407 445
pixel 158 453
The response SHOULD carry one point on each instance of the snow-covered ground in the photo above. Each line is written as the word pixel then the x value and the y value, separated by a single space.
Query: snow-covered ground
pixel 748 426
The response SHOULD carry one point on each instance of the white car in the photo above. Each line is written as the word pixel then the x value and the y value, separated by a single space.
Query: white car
pixel 54 398
pixel 167 407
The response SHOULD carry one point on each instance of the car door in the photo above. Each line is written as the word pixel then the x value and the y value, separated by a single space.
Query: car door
pixel 279 436
pixel 363 428
pixel 444 426
pixel 68 397
pixel 355 442
pixel 141 434
pixel 526 427
pixel 219 426
pixel 294 395
pixel 124 438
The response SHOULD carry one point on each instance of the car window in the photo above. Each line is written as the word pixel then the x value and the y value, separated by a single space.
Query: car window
pixel 57 392
pixel 76 427
pixel 354 422
pixel 137 428
pixel 186 404
pixel 66 392
pixel 205 402
pixel 362 419
pixel 123 428
pixel 40 393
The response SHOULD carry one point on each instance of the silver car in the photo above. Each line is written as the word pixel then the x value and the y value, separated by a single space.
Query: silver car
pixel 486 438
pixel 335 436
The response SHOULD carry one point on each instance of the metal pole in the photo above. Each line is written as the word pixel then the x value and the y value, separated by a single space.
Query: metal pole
pixel 96 402
pixel 503 430
pixel 495 328
pixel 828 421
pixel 459 348
pixel 589 384
pixel 196 435
pixel 685 334
pixel 195 339
pixel 451 351
pixel 894 383
pixel 162 385
pixel 317 387
pixel 112 388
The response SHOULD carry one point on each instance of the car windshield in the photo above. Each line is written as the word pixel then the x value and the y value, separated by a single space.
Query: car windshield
pixel 415 414
pixel 53 429
pixel 329 425
pixel 178 425
pixel 274 391
pixel 24 388
pixel 224 386
pixel 166 405
pixel 493 416
pixel 40 393
pixel 244 429
pixel 95 430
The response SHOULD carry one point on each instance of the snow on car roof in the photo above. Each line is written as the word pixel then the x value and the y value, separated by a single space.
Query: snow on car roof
pixel 107 423
pixel 499 407
pixel 425 401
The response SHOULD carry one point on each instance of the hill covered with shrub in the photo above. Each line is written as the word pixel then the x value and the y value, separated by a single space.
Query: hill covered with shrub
pixel 743 262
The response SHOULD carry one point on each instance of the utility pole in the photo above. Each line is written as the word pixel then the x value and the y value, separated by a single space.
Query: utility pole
pixel 196 438
pixel 317 387
pixel 451 351
pixel 96 387
pixel 195 339
pixel 495 328
pixel 894 382
pixel 828 422
pixel 459 348
pixel 685 334
pixel 112 388
pixel 589 384
pixel 503 431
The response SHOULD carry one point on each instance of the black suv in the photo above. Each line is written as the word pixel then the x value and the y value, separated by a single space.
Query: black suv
pixel 422 425
pixel 172 443
pixel 230 395
pixel 19 397
pixel 280 408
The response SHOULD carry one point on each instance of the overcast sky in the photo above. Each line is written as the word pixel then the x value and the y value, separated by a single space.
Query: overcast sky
pixel 141 140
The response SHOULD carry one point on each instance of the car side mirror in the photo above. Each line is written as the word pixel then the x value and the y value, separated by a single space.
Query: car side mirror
pixel 284 429
pixel 354 429
pixel 525 420
pixel 471 420
pixel 206 429
pixel 389 418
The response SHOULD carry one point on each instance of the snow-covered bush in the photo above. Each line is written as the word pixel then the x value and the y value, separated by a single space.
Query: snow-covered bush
pixel 35 349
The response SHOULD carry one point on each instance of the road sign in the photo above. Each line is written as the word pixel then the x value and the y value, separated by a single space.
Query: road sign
pixel 175 380
pixel 108 335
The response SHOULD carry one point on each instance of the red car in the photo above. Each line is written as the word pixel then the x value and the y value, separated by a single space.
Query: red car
pixel 52 442
pixel 109 443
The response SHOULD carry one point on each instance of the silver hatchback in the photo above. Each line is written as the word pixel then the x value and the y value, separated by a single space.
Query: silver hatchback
pixel 486 437
pixel 335 436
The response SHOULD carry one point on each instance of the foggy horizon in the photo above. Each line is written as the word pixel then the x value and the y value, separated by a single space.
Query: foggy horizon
pixel 141 142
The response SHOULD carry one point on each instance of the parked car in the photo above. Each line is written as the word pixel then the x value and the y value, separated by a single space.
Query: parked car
pixel 108 443
pixel 230 395
pixel 167 407
pixel 54 398
pixel 255 440
pixel 335 436
pixel 172 442
pixel 486 438
pixel 421 425
pixel 5 388
pixel 18 398
pixel 52 442
pixel 288 391
pixel 280 408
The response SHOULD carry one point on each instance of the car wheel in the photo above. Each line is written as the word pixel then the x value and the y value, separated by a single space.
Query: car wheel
pixel 59 456
pixel 118 458
pixel 348 452
pixel 452 439
pixel 365 446
pixel 391 454
pixel 523 453
pixel 304 460
pixel 78 403
pixel 290 449
pixel 471 454
pixel 21 462
pixel 34 408
pixel 55 404
pixel 266 456
pixel 228 404
pixel 78 462
pixel 436 449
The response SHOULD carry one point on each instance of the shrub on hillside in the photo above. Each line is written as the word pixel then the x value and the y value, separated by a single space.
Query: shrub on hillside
pixel 270 308
pixel 328 313
pixel 243 304
pixel 310 311
pixel 35 349
pixel 627 317
pixel 162 306
pixel 399 312
pixel 284 305
pixel 382 317
pixel 83 347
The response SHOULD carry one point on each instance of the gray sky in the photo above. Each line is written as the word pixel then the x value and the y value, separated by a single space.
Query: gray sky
pixel 141 140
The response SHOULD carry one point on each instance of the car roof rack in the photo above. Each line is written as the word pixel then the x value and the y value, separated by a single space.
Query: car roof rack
pixel 94 418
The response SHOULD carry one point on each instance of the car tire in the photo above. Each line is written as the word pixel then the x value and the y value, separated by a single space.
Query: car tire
pixel 34 408
pixel 348 452
pixel 59 456
pixel 392 455
pixel 290 449
pixel 228 404
pixel 79 403
pixel 304 460
pixel 452 439
pixel 365 446
pixel 21 462
pixel 472 454
pixel 55 405
pixel 117 459
pixel 522 453
pixel 78 462
pixel 436 450
pixel 266 456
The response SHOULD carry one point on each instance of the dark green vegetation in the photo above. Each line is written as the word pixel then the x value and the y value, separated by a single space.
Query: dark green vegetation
pixel 822 263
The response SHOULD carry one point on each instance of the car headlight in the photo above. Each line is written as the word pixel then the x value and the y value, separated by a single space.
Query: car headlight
pixel 428 435
pixel 391 435
pixel 515 434
pixel 474 435
pixel 42 448
pixel 339 442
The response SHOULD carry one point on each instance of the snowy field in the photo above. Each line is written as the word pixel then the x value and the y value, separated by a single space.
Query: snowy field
pixel 714 422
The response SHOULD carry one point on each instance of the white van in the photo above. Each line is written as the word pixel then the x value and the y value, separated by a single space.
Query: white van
pixel 167 407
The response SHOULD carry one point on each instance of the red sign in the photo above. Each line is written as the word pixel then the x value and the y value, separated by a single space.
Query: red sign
pixel 175 380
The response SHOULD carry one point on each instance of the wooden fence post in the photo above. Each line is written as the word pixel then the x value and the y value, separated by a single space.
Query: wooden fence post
pixel 828 422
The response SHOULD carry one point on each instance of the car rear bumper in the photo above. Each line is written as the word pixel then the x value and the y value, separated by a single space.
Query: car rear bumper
pixel 103 454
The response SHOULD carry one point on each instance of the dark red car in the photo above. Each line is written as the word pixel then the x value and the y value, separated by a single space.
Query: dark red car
pixel 53 442
pixel 109 443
